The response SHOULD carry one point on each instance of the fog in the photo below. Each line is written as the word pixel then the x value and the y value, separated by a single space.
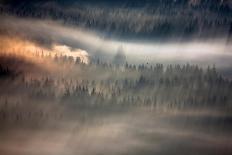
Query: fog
pixel 134 132
pixel 68 89
pixel 91 108
pixel 49 34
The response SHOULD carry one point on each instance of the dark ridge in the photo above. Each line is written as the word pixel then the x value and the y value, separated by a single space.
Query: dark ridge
pixel 180 18
pixel 13 66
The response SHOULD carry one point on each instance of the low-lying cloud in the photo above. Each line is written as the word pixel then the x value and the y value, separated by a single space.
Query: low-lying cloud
pixel 78 42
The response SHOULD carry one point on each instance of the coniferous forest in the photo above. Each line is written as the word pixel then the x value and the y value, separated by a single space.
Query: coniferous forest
pixel 116 77
pixel 109 86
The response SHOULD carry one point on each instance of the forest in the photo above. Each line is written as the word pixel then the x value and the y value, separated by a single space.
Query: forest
pixel 109 86
pixel 115 77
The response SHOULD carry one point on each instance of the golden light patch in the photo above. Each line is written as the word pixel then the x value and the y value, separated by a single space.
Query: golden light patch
pixel 30 50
